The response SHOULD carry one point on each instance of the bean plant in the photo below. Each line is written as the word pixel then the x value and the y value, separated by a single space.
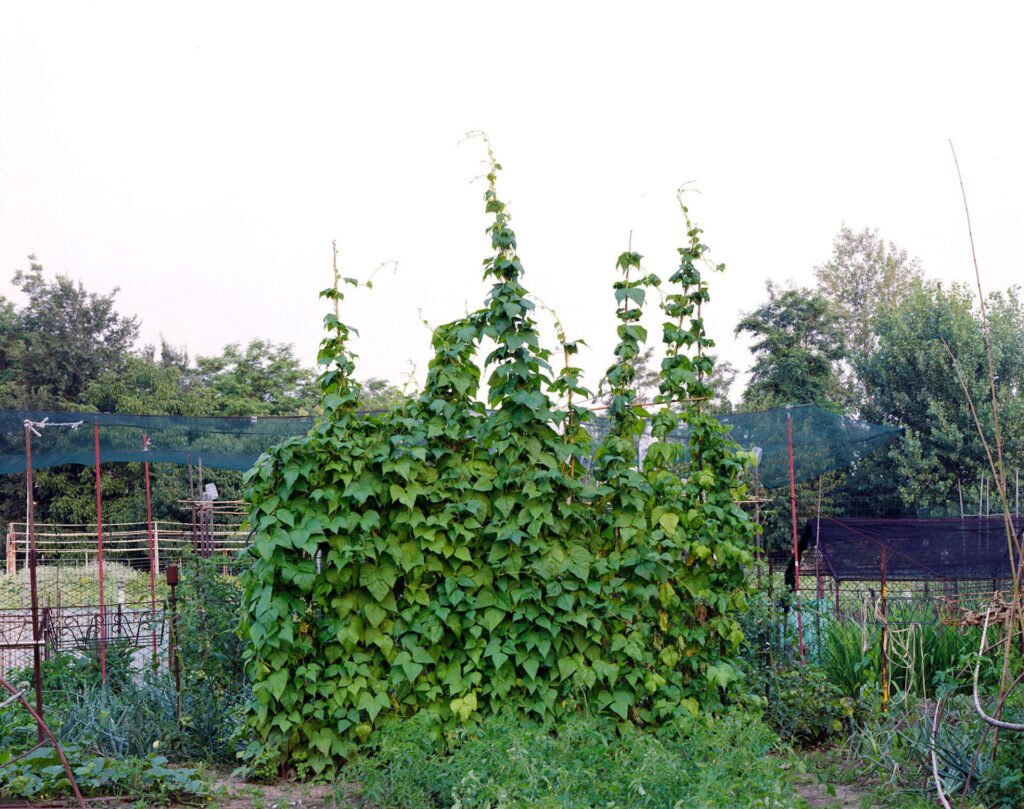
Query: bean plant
pixel 448 558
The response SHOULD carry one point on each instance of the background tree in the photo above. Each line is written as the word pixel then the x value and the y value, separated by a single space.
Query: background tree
pixel 909 380
pixel 70 337
pixel 68 348
pixel 379 394
pixel 797 345
pixel 11 345
pixel 721 380
pixel 263 379
pixel 864 275
pixel 148 383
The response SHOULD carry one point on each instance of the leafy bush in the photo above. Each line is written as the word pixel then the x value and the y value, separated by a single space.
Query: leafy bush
pixel 894 749
pixel 508 762
pixel 446 559
pixel 40 775
pixel 214 689
pixel 844 660
pixel 106 765
pixel 66 674
pixel 926 656
pixel 119 723
pixel 1002 783
pixel 804 707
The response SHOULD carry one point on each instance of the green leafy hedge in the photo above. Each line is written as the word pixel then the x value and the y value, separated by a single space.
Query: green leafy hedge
pixel 446 558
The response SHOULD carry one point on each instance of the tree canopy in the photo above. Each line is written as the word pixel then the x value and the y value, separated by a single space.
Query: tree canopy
pixel 797 343
pixel 864 275
pixel 69 348
pixel 62 339
pixel 910 379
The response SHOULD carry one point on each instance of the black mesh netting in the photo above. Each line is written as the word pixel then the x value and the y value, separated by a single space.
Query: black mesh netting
pixel 967 548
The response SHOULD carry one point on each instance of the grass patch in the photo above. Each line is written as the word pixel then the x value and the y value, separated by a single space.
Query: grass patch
pixel 587 761
pixel 78 585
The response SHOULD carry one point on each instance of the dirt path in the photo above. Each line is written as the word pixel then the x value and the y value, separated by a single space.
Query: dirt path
pixel 232 794
pixel 833 796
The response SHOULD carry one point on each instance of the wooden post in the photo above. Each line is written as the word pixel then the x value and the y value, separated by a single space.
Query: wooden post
pixel 883 609
pixel 12 550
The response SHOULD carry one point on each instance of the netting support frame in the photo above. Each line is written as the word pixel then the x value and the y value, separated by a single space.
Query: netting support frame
pixel 796 540
pixel 99 551
pixel 152 547
pixel 33 586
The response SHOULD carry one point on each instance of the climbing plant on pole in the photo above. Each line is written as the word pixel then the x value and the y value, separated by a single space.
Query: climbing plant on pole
pixel 445 558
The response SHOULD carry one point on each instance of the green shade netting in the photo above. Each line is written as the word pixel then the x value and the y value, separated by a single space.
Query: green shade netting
pixel 822 440
pixel 222 443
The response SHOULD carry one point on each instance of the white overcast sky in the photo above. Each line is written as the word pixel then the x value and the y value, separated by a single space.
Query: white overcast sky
pixel 202 157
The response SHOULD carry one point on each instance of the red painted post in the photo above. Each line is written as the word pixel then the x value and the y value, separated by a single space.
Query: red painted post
pixel 99 550
pixel 31 561
pixel 796 542
pixel 152 554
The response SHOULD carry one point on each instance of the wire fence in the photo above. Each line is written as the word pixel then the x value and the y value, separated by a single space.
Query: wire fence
pixel 128 675
pixel 85 604
pixel 134 544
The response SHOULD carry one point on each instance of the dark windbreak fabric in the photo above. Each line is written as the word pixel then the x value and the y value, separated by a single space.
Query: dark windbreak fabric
pixel 970 548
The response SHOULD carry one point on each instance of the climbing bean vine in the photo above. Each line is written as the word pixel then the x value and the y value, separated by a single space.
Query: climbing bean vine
pixel 446 558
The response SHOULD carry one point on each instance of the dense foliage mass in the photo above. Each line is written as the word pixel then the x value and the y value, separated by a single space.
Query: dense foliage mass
pixel 445 559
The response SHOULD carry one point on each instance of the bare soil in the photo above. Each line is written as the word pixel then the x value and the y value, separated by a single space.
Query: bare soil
pixel 230 793
pixel 834 796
